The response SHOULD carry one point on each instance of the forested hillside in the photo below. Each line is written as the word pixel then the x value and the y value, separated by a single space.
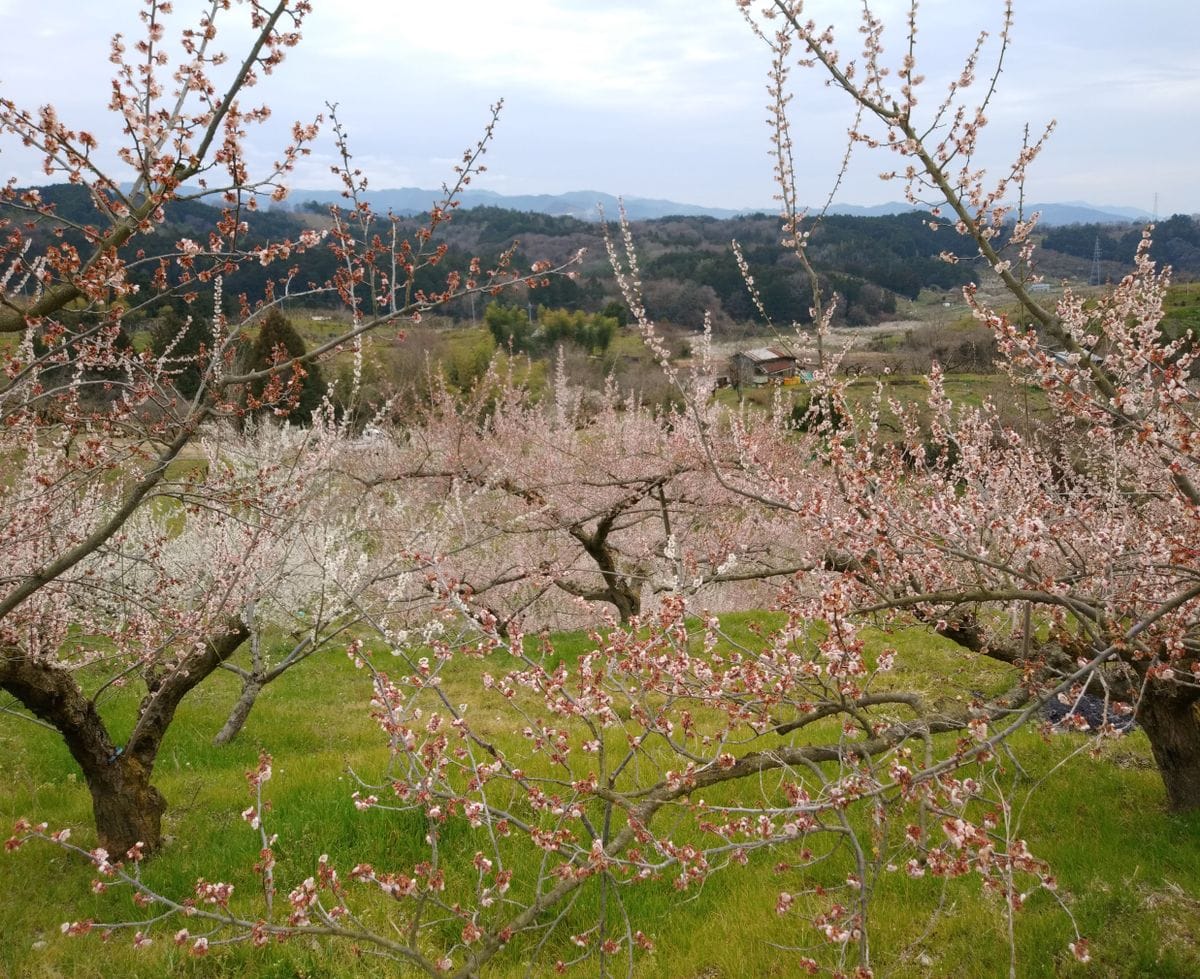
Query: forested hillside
pixel 687 262
pixel 1176 243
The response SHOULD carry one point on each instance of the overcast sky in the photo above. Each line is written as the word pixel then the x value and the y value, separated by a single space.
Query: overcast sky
pixel 663 98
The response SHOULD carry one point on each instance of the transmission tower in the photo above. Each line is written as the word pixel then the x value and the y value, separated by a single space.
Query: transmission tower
pixel 1095 278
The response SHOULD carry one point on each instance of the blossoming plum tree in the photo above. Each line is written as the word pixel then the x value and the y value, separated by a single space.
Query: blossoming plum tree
pixel 1085 522
pixel 670 748
pixel 549 509
pixel 93 431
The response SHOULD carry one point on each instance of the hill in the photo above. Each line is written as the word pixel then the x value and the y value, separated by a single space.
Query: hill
pixel 687 262
pixel 586 205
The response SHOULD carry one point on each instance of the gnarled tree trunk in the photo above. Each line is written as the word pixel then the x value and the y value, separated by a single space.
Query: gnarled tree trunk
pixel 1169 712
pixel 620 591
pixel 127 808
pixel 1170 716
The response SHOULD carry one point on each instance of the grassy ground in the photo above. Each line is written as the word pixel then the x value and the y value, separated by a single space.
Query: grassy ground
pixel 1182 310
pixel 1017 405
pixel 1129 871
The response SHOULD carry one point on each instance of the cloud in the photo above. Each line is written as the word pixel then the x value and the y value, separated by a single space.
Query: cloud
pixel 584 54
pixel 660 97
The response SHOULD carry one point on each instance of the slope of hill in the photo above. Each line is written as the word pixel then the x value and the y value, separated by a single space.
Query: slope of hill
pixel 586 204
pixel 687 263
pixel 582 204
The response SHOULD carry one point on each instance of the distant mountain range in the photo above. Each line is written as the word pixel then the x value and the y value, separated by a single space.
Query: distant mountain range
pixel 1070 212
pixel 585 204
pixel 581 204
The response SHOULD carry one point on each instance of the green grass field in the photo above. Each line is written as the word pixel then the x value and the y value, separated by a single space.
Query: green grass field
pixel 1129 871
pixel 1018 406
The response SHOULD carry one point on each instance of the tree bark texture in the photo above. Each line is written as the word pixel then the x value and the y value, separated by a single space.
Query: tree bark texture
pixel 1170 716
pixel 127 808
